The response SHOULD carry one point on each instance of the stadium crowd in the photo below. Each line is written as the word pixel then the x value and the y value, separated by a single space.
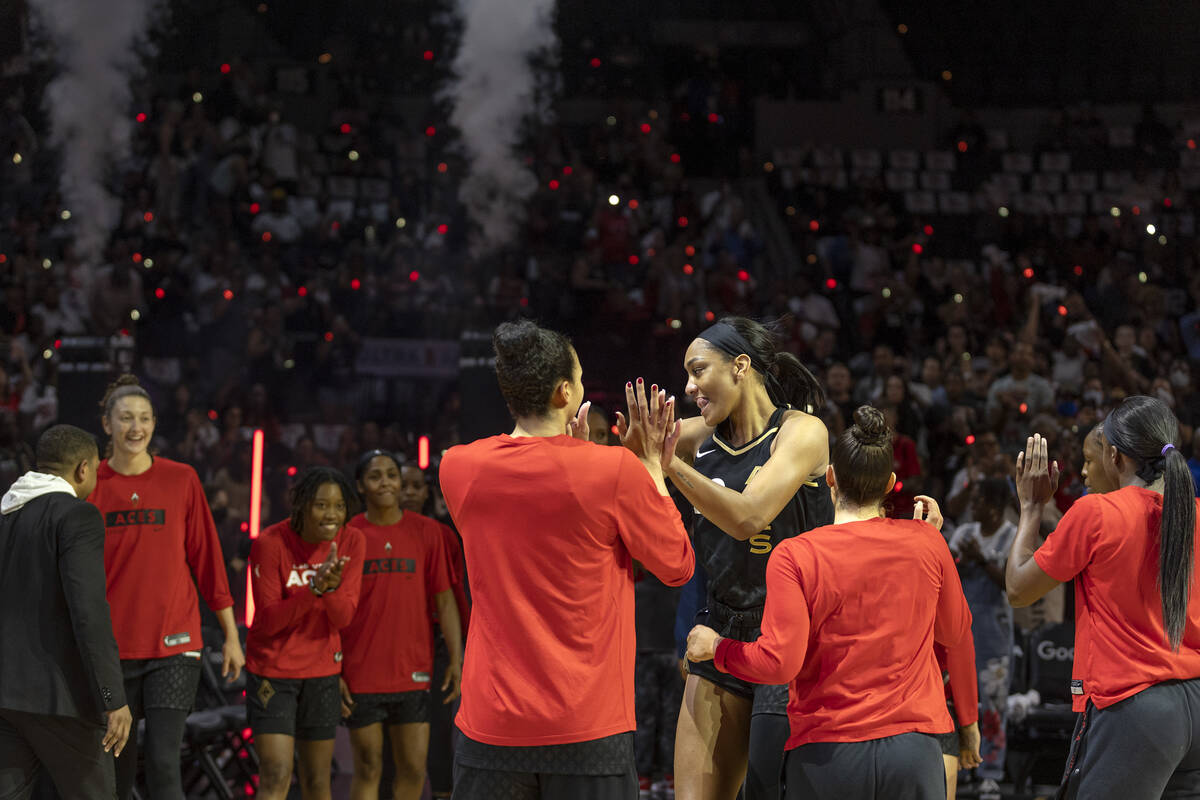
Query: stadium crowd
pixel 256 253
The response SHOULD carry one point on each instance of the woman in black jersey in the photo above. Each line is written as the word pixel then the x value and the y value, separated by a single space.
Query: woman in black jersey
pixel 753 465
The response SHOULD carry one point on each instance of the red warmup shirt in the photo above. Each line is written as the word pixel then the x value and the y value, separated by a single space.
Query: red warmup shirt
pixel 1109 544
pixel 158 534
pixel 389 644
pixel 295 633
pixel 962 681
pixel 551 526
pixel 852 613
pixel 457 568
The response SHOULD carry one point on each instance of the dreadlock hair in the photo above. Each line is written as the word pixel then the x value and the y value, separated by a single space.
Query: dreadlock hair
pixel 305 492
pixel 1144 430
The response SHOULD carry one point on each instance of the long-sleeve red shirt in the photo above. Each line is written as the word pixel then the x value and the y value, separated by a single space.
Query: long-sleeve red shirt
pixel 551 526
pixel 295 633
pixel 852 613
pixel 159 533
pixel 389 643
pixel 963 687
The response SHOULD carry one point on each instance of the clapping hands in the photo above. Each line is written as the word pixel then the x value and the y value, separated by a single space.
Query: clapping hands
pixel 651 429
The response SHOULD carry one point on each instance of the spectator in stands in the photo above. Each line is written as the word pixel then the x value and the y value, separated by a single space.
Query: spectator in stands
pixel 1020 392
pixel 981 550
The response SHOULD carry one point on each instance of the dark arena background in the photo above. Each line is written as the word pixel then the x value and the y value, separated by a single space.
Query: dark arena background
pixel 298 222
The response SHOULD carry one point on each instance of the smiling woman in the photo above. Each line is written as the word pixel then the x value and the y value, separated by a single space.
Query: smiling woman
pixel 307 573
pixel 157 522
pixel 753 465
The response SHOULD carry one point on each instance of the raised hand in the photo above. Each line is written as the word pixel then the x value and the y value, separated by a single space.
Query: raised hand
pixel 577 426
pixel 329 574
pixel 926 508
pixel 632 429
pixel 1036 476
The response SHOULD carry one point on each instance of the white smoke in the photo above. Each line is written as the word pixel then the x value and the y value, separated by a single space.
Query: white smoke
pixel 93 46
pixel 494 90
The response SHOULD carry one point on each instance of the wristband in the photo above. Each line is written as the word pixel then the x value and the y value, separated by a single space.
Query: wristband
pixel 312 585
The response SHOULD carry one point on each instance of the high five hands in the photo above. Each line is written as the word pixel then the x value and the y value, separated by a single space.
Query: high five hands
pixel 651 430
pixel 1036 475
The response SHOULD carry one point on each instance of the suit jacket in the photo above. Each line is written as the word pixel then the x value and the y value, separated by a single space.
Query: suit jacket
pixel 58 652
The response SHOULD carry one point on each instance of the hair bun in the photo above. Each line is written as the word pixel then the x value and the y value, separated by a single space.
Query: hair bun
pixel 512 339
pixel 870 428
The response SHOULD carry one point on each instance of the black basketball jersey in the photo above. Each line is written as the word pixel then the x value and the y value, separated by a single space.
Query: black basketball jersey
pixel 737 570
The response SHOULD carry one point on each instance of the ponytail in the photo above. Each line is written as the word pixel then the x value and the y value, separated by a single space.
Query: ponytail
pixel 1176 559
pixel 787 381
pixel 1144 430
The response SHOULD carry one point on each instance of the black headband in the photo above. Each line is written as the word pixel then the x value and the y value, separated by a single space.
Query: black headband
pixel 725 338
pixel 365 460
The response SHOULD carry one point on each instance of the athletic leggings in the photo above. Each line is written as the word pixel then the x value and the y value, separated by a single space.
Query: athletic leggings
pixel 764 771
pixel 164 735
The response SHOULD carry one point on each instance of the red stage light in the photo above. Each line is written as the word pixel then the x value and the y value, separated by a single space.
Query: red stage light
pixel 899 486
pixel 3 258
pixel 355 284
pixel 688 269
pixel 917 248
pixel 633 204
pixel 1023 408
pixel 1137 210
pixel 255 208
pixel 431 131
pixel 743 275
pixel 291 471
pixel 554 186
pixel 137 258
pixel 227 294
pixel 614 430
pixel 712 117
pixel 1167 202
pixel 814 225
pixel 423 452
pixel 266 237
pixel 1062 311
pixel 645 127
pixel 1191 143
pixel 212 414
pixel 567 170
pixel 302 291
pixel 683 222
pixel 675 158
pixel 160 293
pixel 830 283
pixel 443 167
pixel 345 128
pixel 1028 272
pixel 1077 269
pixel 414 276
pixel 329 336
pixel 962 146
pixel 245 526
pixel 970 438
pixel 928 230
pixel 709 316
pixel 634 260
pixel 57 343
pixel 524 302
pixel 427 55
pixel 443 229
pixel 225 68
pixel 141 116
pixel 689 250
pixel 595 62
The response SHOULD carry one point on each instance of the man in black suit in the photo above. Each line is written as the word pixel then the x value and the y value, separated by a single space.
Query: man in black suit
pixel 62 697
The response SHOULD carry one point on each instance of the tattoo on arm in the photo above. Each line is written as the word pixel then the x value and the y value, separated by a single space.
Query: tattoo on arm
pixel 685 480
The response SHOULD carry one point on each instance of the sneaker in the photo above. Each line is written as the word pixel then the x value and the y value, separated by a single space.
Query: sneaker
pixel 644 788
pixel 989 790
pixel 664 789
